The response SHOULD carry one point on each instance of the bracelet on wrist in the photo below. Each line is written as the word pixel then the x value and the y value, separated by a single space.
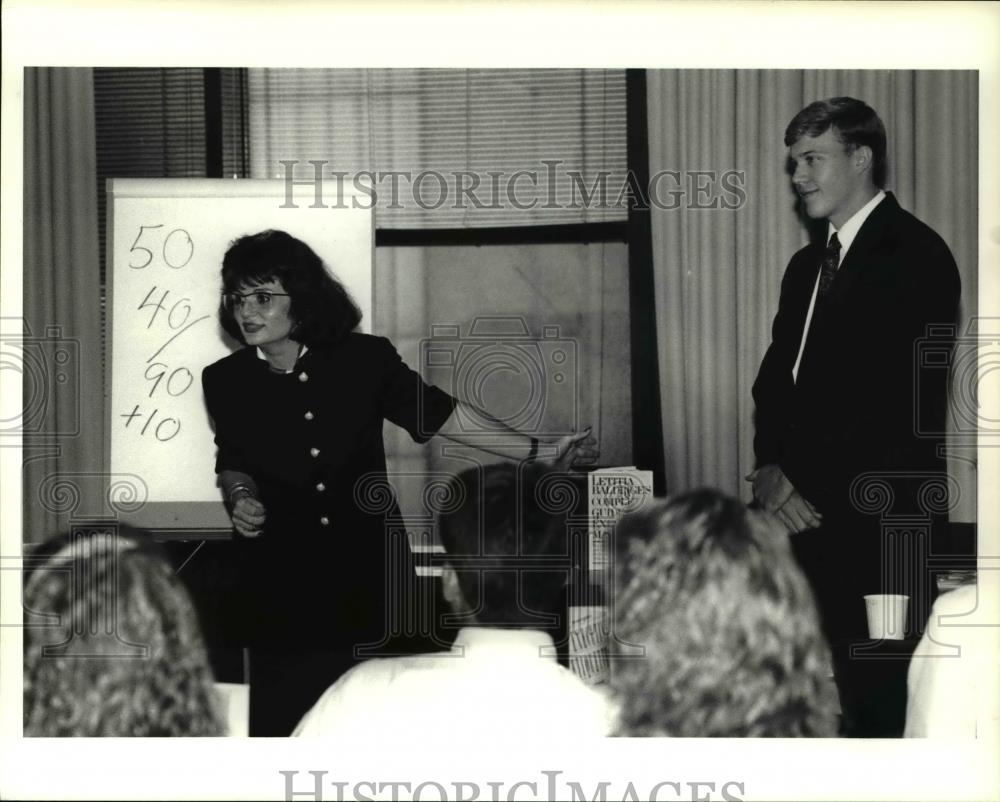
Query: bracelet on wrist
pixel 238 492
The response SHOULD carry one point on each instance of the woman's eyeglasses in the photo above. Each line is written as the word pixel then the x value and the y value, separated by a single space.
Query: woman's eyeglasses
pixel 256 301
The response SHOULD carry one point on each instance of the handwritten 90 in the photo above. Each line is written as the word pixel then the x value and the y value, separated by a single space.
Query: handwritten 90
pixel 168 317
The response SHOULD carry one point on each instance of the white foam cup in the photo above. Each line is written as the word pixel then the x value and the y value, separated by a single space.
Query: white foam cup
pixel 886 616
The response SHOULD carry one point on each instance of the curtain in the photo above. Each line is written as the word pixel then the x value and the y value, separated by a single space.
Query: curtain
pixel 63 416
pixel 718 272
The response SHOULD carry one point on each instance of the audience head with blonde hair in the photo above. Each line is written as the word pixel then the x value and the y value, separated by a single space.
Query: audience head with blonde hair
pixel 112 645
pixel 715 629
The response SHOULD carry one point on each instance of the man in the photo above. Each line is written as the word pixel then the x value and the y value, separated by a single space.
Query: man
pixel 838 390
pixel 504 583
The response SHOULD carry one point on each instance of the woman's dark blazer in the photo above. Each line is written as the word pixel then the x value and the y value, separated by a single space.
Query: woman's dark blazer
pixel 312 441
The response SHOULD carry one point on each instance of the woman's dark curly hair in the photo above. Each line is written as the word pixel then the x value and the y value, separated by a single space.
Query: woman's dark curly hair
pixel 716 631
pixel 323 310
pixel 121 653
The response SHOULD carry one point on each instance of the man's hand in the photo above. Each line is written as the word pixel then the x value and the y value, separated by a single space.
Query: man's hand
pixel 574 449
pixel 798 514
pixel 248 516
pixel 771 487
pixel 778 496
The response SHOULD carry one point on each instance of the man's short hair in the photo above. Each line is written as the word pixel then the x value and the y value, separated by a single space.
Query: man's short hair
pixel 855 124
pixel 500 537
pixel 729 634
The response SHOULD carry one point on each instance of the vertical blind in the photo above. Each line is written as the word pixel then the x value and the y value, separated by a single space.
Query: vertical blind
pixel 233 102
pixel 150 123
pixel 468 147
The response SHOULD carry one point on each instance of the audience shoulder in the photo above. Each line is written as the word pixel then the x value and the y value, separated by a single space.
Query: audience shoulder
pixel 355 690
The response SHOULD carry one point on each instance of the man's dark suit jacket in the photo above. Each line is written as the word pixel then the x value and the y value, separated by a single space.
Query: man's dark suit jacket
pixel 859 395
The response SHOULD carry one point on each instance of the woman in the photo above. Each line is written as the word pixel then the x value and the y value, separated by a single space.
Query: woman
pixel 298 419
pixel 716 632
pixel 122 654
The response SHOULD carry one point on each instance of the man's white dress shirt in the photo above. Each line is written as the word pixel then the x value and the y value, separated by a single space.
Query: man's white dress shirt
pixel 494 684
pixel 845 234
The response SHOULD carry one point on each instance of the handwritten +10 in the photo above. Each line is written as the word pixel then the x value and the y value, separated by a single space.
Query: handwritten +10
pixel 175 250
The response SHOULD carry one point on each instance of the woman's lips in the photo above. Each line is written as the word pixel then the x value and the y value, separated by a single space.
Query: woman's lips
pixel 251 328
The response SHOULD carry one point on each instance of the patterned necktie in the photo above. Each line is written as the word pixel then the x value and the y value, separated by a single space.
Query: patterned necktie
pixel 828 270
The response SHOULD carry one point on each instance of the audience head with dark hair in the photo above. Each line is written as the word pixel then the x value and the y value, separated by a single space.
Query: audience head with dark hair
pixel 715 629
pixel 112 645
pixel 497 534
